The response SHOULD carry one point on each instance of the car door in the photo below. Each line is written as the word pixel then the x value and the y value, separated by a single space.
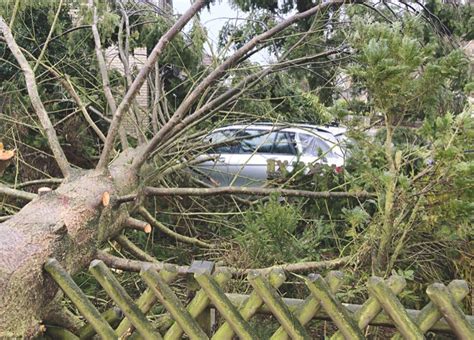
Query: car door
pixel 248 165
pixel 284 152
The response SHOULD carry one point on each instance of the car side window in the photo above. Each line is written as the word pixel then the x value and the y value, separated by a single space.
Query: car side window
pixel 222 141
pixel 255 141
pixel 285 143
pixel 312 145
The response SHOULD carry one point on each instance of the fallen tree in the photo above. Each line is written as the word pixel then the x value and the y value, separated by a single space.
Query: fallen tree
pixel 71 222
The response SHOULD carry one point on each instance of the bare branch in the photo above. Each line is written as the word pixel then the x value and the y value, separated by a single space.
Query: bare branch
pixel 134 265
pixel 215 191
pixel 5 218
pixel 27 196
pixel 36 101
pixel 133 249
pixel 40 182
pixel 15 11
pixel 66 82
pixel 104 74
pixel 221 71
pixel 100 114
pixel 185 239
pixel 136 224
pixel 141 77
pixel 124 49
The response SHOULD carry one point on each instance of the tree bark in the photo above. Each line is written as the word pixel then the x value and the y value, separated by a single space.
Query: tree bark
pixel 68 224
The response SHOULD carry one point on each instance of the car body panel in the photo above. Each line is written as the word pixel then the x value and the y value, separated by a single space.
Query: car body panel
pixel 242 153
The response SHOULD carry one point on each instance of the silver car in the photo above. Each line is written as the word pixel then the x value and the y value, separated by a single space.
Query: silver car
pixel 249 155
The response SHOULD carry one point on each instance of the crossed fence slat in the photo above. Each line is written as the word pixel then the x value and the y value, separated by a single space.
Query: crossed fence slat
pixel 310 306
pixel 237 310
pixel 394 308
pixel 371 308
pixel 430 314
pixel 225 307
pixel 439 294
pixel 197 306
pixel 251 306
pixel 288 321
pixel 146 301
pixel 346 324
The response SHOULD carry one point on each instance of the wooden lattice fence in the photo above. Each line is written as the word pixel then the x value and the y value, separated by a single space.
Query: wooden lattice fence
pixel 192 321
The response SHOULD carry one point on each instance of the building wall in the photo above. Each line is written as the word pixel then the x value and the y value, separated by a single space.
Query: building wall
pixel 136 61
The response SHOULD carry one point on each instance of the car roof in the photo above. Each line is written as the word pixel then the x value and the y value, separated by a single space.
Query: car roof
pixel 333 130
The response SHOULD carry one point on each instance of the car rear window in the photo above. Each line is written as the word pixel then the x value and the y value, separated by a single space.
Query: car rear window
pixel 312 145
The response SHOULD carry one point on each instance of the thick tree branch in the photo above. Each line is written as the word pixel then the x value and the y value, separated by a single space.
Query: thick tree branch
pixel 150 191
pixel 141 77
pixel 35 100
pixel 27 196
pixel 221 71
pixel 137 266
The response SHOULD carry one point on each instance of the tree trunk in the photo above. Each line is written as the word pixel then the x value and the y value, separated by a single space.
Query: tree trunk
pixel 68 224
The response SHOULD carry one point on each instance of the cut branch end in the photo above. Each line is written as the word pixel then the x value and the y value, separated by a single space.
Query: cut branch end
pixel 105 199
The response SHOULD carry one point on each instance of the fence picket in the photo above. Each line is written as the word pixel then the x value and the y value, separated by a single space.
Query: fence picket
pixel 198 305
pixel 252 304
pixel 273 301
pixel 64 280
pixel 439 294
pixel 172 304
pixel 310 306
pixel 334 308
pixel 117 293
pixel 394 308
pixel 225 307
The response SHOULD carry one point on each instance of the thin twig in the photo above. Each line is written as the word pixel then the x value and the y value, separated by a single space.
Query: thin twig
pixel 48 38
pixel 134 250
pixel 191 240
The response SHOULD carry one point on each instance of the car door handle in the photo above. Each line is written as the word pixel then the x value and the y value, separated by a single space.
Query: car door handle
pixel 221 159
